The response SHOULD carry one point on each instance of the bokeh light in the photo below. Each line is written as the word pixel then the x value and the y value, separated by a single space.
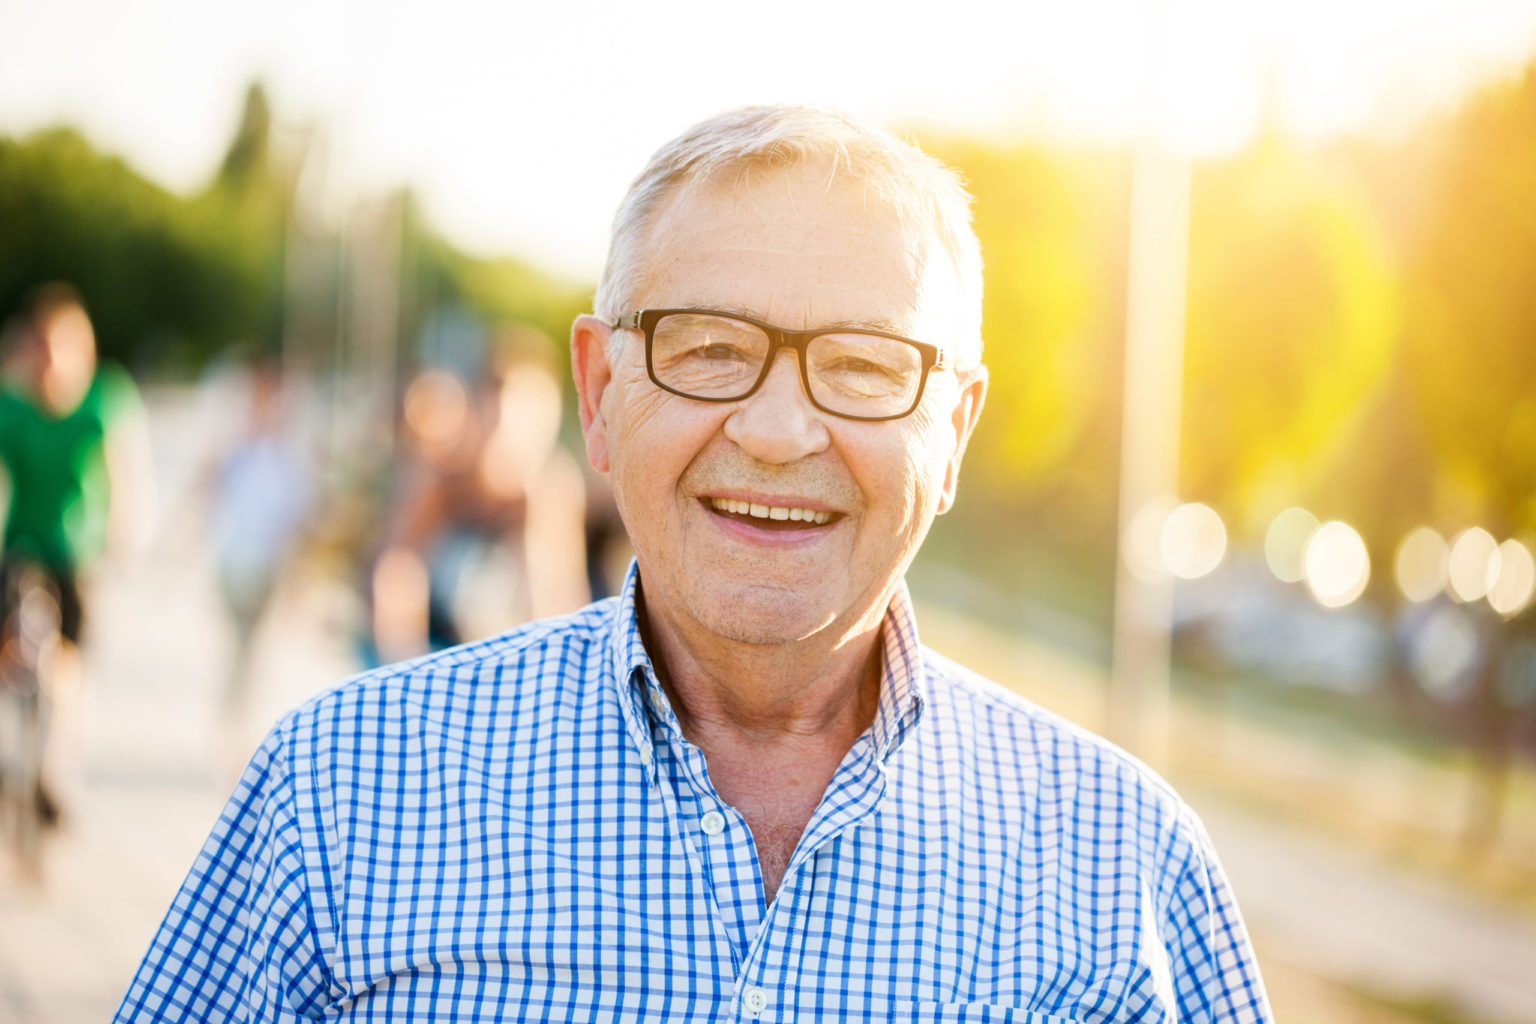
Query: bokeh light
pixel 1193 541
pixel 1285 544
pixel 1473 565
pixel 1516 583
pixel 1337 564
pixel 1421 564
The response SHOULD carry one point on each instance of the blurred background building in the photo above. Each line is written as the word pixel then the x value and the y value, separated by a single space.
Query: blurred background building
pixel 310 230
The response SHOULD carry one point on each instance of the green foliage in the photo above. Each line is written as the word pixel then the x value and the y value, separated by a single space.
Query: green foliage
pixel 500 291
pixel 171 281
pixel 507 290
pixel 247 163
pixel 140 259
pixel 1292 323
pixel 1470 341
pixel 1045 221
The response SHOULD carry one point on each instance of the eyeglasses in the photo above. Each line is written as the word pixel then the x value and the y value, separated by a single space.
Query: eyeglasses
pixel 722 357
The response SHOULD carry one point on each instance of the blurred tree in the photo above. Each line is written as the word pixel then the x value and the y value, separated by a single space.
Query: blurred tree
pixel 1292 322
pixel 170 281
pixel 1471 329
pixel 1470 358
pixel 1050 307
pixel 150 272
pixel 243 214
pixel 500 290
pixel 1042 468
pixel 247 161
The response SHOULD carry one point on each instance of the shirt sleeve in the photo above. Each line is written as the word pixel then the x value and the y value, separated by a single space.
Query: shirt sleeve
pixel 240 941
pixel 1215 974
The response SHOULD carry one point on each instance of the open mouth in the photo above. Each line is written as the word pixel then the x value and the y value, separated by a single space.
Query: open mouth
pixel 772 517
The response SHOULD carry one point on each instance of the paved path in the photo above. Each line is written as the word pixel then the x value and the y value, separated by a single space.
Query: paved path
pixel 160 768
pixel 1334 911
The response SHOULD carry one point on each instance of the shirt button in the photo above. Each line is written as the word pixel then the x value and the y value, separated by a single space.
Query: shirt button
pixel 756 999
pixel 713 823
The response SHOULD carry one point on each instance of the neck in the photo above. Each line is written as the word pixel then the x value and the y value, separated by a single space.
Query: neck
pixel 772 720
pixel 822 690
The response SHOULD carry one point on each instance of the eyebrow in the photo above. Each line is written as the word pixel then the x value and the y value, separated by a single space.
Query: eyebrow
pixel 885 326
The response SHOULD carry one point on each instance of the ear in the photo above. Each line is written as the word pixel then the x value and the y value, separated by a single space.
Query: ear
pixel 973 395
pixel 593 374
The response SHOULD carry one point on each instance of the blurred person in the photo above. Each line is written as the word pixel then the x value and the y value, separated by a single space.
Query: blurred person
pixel 74 446
pixel 742 789
pixel 262 492
pixel 487 529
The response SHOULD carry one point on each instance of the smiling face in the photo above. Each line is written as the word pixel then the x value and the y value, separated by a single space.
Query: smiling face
pixel 767 521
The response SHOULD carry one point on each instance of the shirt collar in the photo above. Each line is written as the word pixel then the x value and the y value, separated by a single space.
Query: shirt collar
pixel 903 689
pixel 630 669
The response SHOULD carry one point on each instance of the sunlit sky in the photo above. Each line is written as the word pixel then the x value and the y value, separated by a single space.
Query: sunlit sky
pixel 520 124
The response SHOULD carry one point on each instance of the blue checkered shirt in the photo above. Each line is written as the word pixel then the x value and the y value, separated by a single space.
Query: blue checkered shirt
pixel 517 830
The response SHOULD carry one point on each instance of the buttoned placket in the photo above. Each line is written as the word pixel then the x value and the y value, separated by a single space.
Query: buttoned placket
pixel 771 966
pixel 762 940
pixel 765 943
pixel 716 833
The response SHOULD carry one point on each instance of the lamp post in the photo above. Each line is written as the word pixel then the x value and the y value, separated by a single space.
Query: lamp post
pixel 1149 448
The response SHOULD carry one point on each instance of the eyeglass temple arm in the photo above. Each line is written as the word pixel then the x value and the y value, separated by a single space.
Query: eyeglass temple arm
pixel 632 320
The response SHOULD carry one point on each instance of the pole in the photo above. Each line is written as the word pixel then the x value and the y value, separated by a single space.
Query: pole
pixel 1149 447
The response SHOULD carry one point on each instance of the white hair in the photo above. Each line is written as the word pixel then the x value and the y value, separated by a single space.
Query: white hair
pixel 923 193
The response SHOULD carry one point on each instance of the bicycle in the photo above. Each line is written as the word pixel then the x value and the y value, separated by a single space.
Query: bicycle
pixel 30 638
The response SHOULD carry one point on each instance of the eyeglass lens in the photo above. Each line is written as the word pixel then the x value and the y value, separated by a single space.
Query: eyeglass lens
pixel 717 357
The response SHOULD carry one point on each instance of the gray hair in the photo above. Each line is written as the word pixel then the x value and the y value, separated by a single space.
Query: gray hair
pixel 924 193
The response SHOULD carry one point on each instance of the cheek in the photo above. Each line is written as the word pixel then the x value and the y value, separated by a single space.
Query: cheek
pixel 914 470
pixel 898 479
pixel 654 437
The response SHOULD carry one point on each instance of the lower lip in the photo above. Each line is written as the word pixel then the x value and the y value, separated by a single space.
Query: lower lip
pixel 743 529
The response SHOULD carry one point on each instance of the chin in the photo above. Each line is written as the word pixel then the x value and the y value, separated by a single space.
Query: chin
pixel 763 616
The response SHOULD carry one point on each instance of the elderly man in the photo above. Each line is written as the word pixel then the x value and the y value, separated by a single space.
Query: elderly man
pixel 742 790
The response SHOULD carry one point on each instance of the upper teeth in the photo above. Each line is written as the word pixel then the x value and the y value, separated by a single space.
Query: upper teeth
pixel 750 508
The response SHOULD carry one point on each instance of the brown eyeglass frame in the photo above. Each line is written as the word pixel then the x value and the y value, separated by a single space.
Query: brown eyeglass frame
pixel 645 321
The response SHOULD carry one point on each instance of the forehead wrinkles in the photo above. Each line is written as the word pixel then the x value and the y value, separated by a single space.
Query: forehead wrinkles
pixel 897 254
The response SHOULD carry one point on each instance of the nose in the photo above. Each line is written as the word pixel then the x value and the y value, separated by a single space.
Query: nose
pixel 778 424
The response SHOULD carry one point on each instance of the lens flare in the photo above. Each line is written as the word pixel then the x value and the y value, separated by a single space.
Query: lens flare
pixel 1421 564
pixel 1338 565
pixel 1473 565
pixel 1193 542
pixel 1285 544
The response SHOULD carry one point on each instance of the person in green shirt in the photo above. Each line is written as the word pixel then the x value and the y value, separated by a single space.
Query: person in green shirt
pixel 74 457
